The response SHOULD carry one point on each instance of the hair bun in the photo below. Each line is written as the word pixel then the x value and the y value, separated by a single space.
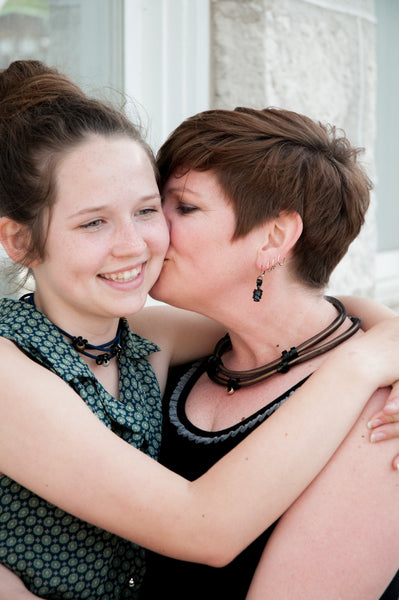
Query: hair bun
pixel 26 83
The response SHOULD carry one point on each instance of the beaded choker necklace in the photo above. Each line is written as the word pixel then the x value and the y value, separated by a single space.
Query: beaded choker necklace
pixel 234 380
pixel 109 349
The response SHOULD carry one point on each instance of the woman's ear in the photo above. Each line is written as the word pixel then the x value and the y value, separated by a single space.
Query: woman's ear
pixel 14 238
pixel 281 235
pixel 287 230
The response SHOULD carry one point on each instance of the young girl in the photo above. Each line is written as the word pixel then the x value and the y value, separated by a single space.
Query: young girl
pixel 81 210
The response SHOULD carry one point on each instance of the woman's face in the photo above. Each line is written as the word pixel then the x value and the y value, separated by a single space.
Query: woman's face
pixel 203 264
pixel 107 234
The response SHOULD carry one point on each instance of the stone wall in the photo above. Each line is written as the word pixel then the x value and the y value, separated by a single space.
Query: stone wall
pixel 313 56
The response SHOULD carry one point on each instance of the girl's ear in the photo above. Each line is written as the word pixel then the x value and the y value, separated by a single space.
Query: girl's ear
pixel 14 238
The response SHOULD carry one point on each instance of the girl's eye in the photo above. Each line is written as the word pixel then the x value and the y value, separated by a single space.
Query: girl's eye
pixel 185 209
pixel 92 224
pixel 147 211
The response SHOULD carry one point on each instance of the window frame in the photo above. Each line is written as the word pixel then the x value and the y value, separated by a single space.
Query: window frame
pixel 167 56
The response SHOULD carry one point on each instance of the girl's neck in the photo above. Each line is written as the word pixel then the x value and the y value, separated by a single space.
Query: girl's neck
pixel 103 362
pixel 97 330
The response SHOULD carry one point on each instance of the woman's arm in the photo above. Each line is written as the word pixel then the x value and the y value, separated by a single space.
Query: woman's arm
pixel 340 539
pixel 45 430
pixel 369 311
pixel 385 423
pixel 186 334
pixel 182 336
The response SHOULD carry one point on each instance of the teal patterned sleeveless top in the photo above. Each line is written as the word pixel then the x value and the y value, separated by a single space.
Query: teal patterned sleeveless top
pixel 58 556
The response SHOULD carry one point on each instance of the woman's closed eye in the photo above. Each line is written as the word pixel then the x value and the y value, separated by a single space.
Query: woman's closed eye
pixel 185 209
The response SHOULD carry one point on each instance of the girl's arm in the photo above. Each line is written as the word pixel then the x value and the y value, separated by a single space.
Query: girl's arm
pixel 46 429
pixel 12 588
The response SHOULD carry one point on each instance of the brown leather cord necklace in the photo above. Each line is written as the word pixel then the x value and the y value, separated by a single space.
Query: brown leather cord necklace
pixel 234 380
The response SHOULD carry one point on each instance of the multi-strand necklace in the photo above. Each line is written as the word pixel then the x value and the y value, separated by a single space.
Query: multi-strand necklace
pixel 234 380
pixel 108 350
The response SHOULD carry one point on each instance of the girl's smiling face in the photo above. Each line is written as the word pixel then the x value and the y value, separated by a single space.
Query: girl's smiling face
pixel 107 235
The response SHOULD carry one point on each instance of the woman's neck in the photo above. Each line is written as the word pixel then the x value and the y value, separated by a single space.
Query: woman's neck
pixel 261 334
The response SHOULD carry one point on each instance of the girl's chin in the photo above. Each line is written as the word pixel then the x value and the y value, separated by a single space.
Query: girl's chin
pixel 129 303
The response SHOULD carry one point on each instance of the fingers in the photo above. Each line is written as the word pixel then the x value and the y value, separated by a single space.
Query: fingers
pixel 392 404
pixel 390 412
pixel 385 432
pixel 385 423
pixel 385 427
pixel 382 418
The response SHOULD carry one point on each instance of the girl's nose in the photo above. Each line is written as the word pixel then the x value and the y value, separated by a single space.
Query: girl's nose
pixel 128 241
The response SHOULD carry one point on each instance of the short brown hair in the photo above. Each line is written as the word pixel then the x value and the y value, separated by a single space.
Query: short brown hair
pixel 274 160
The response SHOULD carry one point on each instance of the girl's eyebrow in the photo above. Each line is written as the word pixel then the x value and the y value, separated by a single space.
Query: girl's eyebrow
pixel 87 210
pixel 92 209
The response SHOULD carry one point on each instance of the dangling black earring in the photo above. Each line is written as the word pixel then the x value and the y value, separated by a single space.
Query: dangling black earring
pixel 257 294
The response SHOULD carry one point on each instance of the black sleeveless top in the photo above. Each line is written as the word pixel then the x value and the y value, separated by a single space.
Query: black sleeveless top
pixel 190 451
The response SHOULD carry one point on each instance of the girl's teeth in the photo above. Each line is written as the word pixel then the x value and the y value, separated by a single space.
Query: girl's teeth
pixel 123 276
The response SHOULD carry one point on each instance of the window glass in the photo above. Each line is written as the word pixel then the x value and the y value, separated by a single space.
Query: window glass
pixel 83 38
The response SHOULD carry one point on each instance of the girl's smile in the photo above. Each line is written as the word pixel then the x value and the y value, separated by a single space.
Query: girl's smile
pixel 123 276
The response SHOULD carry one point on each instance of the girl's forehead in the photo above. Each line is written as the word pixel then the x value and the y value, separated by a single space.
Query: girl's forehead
pixel 99 159
pixel 104 171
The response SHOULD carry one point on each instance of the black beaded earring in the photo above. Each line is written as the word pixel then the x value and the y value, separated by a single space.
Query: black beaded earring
pixel 257 293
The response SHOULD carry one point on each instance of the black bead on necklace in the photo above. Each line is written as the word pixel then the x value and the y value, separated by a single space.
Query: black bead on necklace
pixel 109 350
pixel 234 380
pixel 112 348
